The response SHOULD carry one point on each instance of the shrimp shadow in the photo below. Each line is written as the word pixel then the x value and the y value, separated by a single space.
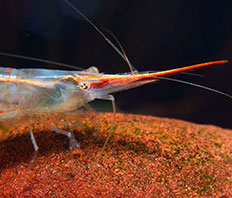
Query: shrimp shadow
pixel 19 149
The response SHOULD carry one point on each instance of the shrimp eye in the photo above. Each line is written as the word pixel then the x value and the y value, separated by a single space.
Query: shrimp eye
pixel 84 85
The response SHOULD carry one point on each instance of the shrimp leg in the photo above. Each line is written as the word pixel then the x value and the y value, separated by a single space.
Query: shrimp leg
pixel 73 143
pixel 111 98
pixel 36 148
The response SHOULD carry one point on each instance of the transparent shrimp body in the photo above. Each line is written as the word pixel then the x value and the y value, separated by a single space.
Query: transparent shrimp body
pixel 33 91
pixel 43 91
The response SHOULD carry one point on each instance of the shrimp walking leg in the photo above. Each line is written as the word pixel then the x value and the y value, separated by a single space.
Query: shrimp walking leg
pixel 72 141
pixel 111 98
pixel 34 145
pixel 36 148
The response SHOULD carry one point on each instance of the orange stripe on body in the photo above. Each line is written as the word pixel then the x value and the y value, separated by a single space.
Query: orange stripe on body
pixel 1 111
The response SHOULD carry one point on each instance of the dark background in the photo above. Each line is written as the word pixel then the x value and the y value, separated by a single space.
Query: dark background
pixel 156 35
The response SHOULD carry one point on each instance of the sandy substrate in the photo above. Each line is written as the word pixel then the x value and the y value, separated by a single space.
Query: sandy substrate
pixel 145 157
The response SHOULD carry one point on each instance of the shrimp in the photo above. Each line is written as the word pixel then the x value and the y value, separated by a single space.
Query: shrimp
pixel 40 93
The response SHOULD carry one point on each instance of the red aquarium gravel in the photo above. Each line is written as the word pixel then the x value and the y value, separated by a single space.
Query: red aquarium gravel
pixel 145 157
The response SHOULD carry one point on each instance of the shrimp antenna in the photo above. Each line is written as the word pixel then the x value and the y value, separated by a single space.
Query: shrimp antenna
pixel 40 60
pixel 196 85
pixel 102 34
pixel 132 68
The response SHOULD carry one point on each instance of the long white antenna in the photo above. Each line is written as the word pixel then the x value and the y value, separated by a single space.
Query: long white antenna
pixel 196 85
pixel 102 34
pixel 40 60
